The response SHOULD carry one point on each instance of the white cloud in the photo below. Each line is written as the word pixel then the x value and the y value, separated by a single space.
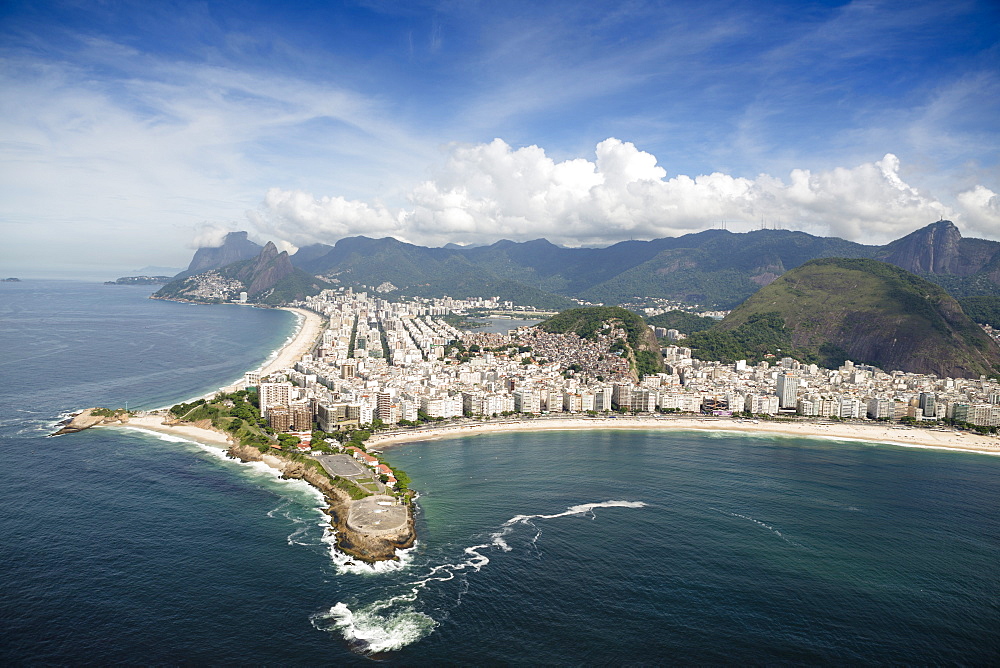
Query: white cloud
pixel 491 191
pixel 210 235
pixel 300 219
pixel 981 210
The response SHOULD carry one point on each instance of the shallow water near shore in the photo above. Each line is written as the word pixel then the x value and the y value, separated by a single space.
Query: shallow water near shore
pixel 551 548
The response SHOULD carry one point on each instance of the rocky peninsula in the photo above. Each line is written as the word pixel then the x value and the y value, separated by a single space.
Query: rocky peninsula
pixel 352 536
pixel 366 546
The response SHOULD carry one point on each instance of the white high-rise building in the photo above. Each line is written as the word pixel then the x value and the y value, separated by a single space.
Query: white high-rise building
pixel 788 385
pixel 274 394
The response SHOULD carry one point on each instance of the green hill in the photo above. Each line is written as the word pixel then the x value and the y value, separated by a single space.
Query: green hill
pixel 640 345
pixel 682 321
pixel 867 311
pixel 984 310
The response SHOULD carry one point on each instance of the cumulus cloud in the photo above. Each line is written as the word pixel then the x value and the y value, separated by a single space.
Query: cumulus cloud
pixel 210 235
pixel 300 219
pixel 493 191
pixel 981 210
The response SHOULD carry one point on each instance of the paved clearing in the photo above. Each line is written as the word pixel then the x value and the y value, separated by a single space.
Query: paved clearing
pixel 377 514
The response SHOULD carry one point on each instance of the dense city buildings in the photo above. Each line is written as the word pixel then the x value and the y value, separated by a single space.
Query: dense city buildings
pixel 400 362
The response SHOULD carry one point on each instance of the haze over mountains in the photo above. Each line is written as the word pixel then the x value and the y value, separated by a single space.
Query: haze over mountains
pixel 818 299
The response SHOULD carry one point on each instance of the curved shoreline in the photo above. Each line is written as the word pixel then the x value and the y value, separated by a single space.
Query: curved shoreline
pixel 834 431
pixel 308 327
pixel 356 544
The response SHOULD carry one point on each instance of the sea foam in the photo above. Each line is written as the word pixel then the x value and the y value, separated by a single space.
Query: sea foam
pixel 393 622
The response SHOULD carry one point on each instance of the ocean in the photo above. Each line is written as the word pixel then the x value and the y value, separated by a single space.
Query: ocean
pixel 553 548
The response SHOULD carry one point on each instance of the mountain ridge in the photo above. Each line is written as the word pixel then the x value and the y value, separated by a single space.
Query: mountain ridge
pixel 715 268
pixel 871 312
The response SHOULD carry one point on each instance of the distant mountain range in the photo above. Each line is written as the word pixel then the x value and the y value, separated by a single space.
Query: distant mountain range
pixel 817 299
pixel 714 268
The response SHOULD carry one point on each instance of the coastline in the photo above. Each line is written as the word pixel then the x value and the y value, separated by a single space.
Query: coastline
pixel 834 431
pixel 356 544
pixel 307 330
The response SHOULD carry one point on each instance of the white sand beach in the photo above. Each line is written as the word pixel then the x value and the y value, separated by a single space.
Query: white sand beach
pixel 154 422
pixel 310 327
pixel 305 336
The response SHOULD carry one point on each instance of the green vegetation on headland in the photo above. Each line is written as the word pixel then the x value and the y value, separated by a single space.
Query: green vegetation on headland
pixel 237 414
pixel 110 413
pixel 639 343
pixel 864 310
pixel 763 335
pixel 984 310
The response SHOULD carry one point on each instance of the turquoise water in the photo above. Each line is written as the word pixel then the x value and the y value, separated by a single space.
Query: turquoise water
pixel 553 548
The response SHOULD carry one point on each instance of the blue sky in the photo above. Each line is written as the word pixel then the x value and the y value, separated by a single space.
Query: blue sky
pixel 131 132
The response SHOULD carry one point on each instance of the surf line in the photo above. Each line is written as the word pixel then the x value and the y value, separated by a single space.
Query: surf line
pixel 372 628
pixel 761 524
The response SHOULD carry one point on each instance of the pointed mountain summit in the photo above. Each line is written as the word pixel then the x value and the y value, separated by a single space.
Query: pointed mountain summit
pixel 939 250
pixel 267 278
pixel 930 250
pixel 266 270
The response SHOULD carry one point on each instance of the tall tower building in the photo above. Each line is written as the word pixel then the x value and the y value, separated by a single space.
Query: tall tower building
pixel 788 385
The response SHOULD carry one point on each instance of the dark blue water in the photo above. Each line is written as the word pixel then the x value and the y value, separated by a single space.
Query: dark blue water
pixel 558 548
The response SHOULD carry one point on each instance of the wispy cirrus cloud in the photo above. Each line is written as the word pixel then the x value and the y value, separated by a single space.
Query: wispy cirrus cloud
pixel 128 125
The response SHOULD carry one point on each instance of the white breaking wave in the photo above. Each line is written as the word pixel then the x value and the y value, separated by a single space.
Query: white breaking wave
pixel 257 468
pixel 370 633
pixel 393 623
pixel 347 564
pixel 770 528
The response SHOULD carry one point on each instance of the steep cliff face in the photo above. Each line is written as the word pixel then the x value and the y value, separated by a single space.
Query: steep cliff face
pixel 930 250
pixel 877 314
pixel 267 278
pixel 265 270
pixel 939 249
pixel 234 248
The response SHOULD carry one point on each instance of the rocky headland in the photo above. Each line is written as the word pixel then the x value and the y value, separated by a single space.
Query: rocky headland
pixel 358 544
pixel 361 545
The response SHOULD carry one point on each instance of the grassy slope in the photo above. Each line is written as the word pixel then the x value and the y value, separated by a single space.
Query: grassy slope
pixel 876 313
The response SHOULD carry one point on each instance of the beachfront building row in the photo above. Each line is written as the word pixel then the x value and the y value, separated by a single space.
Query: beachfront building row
pixel 399 361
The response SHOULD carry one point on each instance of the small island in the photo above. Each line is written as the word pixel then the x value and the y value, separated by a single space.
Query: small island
pixel 140 280
pixel 11 280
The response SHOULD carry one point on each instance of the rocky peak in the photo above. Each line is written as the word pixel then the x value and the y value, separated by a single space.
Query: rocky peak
pixel 235 247
pixel 933 249
pixel 266 269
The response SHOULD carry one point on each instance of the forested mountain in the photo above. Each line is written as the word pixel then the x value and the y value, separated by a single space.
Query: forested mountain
pixel 832 309
pixel 268 278
pixel 714 268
